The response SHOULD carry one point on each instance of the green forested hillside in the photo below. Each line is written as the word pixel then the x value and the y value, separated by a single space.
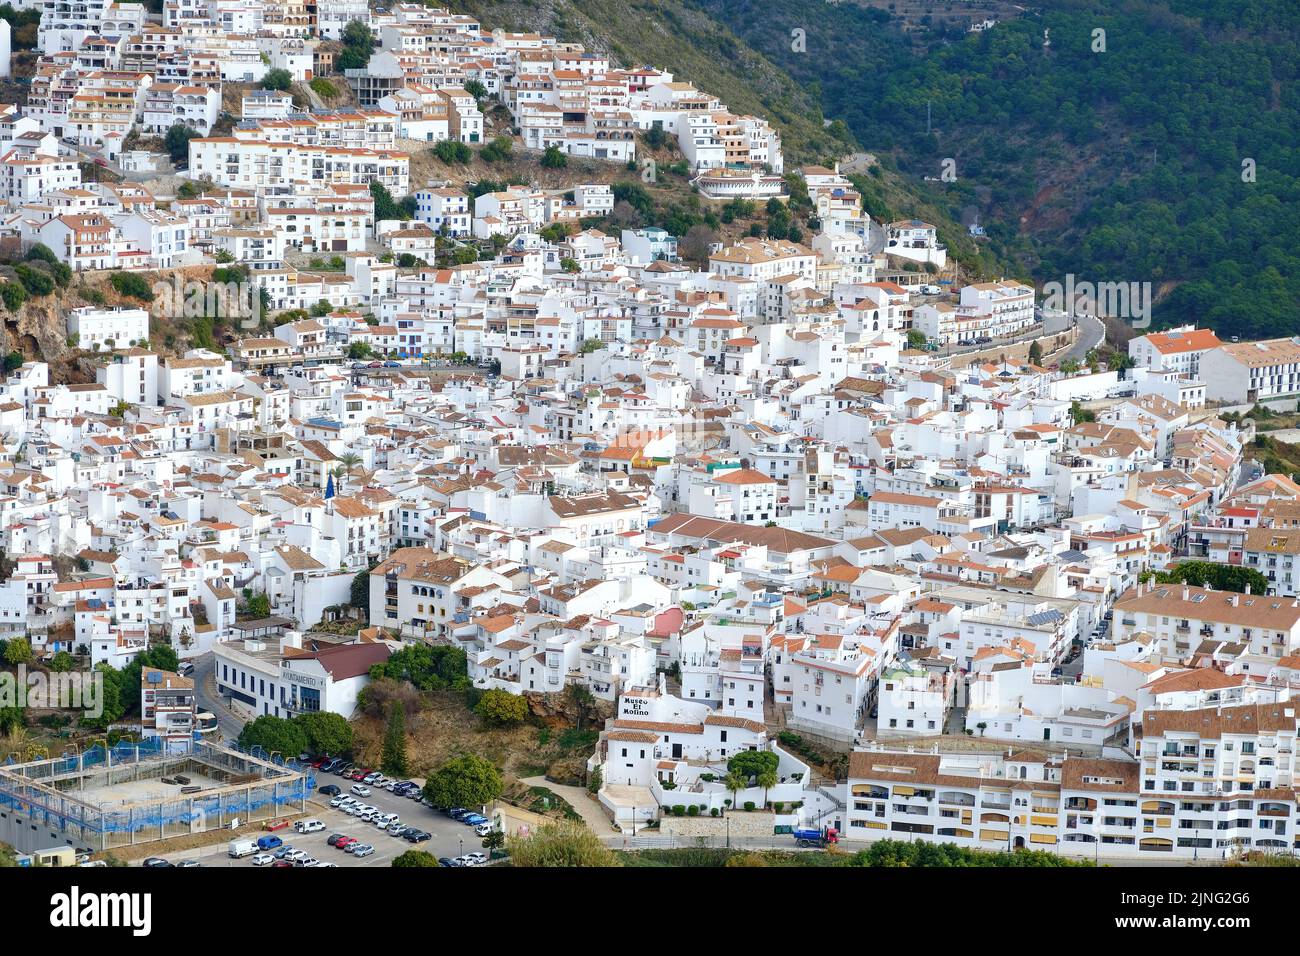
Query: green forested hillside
pixel 702 46
pixel 1122 165
pixel 1119 165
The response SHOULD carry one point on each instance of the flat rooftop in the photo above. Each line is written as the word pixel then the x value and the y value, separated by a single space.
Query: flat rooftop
pixel 145 791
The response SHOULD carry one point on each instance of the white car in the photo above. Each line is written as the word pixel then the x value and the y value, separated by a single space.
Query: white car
pixel 476 858
pixel 309 826
pixel 293 856
pixel 483 829
pixel 365 850
pixel 361 790
pixel 340 802
pixel 263 859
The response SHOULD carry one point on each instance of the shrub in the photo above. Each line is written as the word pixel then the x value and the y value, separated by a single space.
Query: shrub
pixel 692 811
pixel 553 158
pixel 13 295
pixel 452 151
pixel 279 80
pixel 679 810
pixel 323 88
pixel 131 285
pixel 713 811
pixel 778 806
pixel 749 805
pixel 497 151
pixel 500 708
pixel 36 281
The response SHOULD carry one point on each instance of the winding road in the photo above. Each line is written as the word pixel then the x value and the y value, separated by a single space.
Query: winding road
pixel 205 690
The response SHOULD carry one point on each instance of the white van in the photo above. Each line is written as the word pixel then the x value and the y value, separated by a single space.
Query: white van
pixel 241 848
pixel 309 826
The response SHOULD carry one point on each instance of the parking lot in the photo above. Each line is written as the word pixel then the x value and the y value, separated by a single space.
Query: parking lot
pixel 448 837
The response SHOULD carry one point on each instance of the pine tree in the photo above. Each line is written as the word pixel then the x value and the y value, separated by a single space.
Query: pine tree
pixel 393 761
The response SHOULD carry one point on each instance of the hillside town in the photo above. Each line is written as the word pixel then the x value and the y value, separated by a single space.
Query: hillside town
pixel 827 497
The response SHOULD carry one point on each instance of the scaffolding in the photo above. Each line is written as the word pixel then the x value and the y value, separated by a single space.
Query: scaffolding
pixel 247 785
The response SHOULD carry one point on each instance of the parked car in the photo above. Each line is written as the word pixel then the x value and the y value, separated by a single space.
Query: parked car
pixel 329 765
pixel 345 842
pixel 396 828
pixel 155 862
pixel 360 790
pixel 280 864
pixel 263 859
pixel 476 858
pixel 374 779
pixel 416 836
pixel 267 843
pixel 330 790
pixel 473 819
pixel 457 812
pixel 446 861
pixel 283 851
pixel 334 839
pixel 189 863
pixel 309 826
pixel 364 850
pixel 483 829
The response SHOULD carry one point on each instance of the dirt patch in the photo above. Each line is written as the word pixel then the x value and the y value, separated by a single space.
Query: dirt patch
pixel 442 726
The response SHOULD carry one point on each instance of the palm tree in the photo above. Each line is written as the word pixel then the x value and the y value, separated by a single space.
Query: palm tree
pixel 735 782
pixel 347 461
pixel 767 779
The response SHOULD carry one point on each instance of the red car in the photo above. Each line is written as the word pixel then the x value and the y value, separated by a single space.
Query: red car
pixel 359 774
pixel 344 843
pixel 280 864
pixel 318 762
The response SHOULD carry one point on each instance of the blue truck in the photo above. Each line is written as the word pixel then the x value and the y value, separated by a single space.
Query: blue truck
pixel 810 836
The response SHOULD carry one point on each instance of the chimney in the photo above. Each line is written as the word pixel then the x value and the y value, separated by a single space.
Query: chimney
pixel 1247 588
pixel 1186 593
pixel 1233 600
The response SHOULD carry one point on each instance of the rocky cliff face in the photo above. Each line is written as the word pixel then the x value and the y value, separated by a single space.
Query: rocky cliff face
pixel 562 711
pixel 39 331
